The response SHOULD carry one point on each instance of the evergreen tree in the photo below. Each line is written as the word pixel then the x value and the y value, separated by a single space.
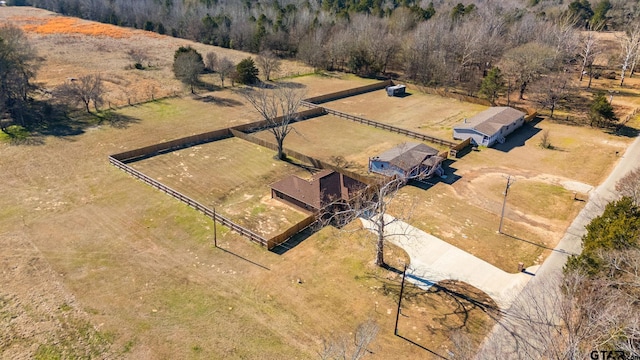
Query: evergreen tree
pixel 618 228
pixel 492 85
pixel 247 71
pixel 601 112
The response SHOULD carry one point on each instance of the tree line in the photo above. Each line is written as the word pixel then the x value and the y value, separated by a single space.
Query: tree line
pixel 536 44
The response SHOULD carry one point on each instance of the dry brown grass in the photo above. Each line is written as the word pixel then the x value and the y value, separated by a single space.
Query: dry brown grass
pixel 232 175
pixel 140 267
pixel 84 241
pixel 67 25
pixel 328 136
pixel 428 114
pixel 72 47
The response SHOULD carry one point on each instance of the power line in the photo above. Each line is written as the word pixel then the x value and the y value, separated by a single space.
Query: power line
pixel 504 201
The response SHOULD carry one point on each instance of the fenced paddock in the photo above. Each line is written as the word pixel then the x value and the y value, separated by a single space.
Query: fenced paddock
pixel 231 175
pixel 424 113
pixel 329 138
pixel 187 200
pixel 238 190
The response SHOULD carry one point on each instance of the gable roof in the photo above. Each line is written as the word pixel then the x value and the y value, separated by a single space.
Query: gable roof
pixel 407 156
pixel 310 191
pixel 492 120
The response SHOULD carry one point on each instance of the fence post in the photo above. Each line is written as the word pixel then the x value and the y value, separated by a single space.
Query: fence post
pixel 215 231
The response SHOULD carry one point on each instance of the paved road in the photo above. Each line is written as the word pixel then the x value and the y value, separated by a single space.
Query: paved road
pixel 433 260
pixel 570 243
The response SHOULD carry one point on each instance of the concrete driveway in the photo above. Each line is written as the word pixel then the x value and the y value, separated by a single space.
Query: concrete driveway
pixel 433 260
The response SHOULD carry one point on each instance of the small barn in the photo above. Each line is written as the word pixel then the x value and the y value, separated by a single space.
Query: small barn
pixel 315 193
pixel 489 126
pixel 396 90
pixel 408 161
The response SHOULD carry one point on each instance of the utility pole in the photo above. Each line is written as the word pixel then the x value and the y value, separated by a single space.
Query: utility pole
pixel 504 201
pixel 404 273
pixel 215 232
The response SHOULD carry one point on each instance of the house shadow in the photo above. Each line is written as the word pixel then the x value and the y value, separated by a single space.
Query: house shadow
pixel 296 239
pixel 403 95
pixel 449 177
pixel 519 137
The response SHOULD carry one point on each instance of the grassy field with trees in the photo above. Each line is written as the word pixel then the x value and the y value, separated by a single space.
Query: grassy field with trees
pixel 100 265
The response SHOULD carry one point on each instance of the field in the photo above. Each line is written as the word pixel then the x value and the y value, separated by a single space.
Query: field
pixel 428 114
pixel 97 264
pixel 329 136
pixel 233 176
pixel 74 47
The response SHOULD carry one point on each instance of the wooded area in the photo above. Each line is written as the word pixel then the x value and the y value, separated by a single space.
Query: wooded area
pixel 536 49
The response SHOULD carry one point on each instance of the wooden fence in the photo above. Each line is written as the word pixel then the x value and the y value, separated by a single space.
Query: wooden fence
pixel 147 151
pixel 192 203
pixel 448 94
pixel 316 163
pixel 350 92
pixel 284 236
pixel 380 125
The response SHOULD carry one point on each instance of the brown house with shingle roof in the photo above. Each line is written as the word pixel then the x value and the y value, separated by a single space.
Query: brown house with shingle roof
pixel 315 193
pixel 490 126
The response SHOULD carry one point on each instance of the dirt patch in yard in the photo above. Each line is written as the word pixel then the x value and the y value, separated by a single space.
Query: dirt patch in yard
pixel 231 175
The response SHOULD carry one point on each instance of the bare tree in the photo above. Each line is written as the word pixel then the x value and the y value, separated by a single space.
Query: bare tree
pixel 138 56
pixel 629 44
pixel 526 63
pixel 84 90
pixel 629 185
pixel 370 204
pixel 553 89
pixel 341 349
pixel 589 49
pixel 225 68
pixel 278 108
pixel 268 63
pixel 545 139
pixel 211 61
pixel 17 68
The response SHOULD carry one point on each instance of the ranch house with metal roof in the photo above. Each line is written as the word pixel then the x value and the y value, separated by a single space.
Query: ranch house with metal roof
pixel 490 126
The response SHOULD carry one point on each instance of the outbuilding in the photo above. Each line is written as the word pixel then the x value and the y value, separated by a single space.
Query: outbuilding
pixel 396 90
pixel 490 126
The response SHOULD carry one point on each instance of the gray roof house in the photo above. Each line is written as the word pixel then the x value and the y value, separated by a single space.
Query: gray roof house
pixel 489 126
pixel 407 160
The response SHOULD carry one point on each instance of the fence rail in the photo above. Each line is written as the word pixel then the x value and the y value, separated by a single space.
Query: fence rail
pixel 380 125
pixel 192 203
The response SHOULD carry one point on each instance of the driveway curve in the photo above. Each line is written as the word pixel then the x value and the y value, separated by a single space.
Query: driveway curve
pixel 434 260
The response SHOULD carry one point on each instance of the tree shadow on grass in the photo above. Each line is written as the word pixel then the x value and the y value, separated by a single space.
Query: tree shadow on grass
pixel 291 85
pixel 219 101
pixel 624 131
pixel 43 119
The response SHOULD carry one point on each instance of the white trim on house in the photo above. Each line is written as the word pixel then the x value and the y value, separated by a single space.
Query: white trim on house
pixel 490 126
